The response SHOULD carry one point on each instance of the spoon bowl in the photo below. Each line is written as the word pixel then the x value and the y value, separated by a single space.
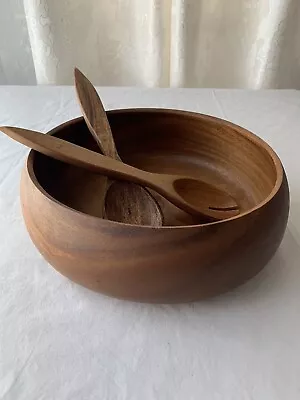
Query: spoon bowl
pixel 196 192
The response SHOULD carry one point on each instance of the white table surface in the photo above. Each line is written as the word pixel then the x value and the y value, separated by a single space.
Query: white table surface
pixel 61 341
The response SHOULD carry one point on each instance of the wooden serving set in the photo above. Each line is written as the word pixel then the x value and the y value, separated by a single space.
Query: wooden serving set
pixel 152 205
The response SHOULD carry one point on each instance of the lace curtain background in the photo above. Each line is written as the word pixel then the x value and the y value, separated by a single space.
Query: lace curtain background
pixel 179 43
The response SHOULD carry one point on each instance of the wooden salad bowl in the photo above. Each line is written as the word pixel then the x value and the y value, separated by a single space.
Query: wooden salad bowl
pixel 185 260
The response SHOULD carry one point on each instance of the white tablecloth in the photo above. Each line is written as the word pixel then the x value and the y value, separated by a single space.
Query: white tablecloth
pixel 60 341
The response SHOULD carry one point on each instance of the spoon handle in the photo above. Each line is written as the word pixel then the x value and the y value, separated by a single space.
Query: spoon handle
pixel 96 120
pixel 94 115
pixel 79 156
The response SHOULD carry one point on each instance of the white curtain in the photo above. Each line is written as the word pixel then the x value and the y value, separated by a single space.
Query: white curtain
pixel 183 43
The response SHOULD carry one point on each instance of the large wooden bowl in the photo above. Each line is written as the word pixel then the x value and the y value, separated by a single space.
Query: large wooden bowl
pixel 181 262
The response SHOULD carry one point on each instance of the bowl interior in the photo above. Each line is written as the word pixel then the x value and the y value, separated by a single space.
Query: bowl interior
pixel 165 141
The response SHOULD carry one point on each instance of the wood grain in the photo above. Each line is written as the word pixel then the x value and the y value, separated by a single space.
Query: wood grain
pixel 172 263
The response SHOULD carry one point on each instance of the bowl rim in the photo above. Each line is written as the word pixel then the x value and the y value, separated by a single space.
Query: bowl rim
pixel 191 114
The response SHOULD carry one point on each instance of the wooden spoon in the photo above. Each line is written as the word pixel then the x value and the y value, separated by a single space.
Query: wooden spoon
pixel 189 194
pixel 124 201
